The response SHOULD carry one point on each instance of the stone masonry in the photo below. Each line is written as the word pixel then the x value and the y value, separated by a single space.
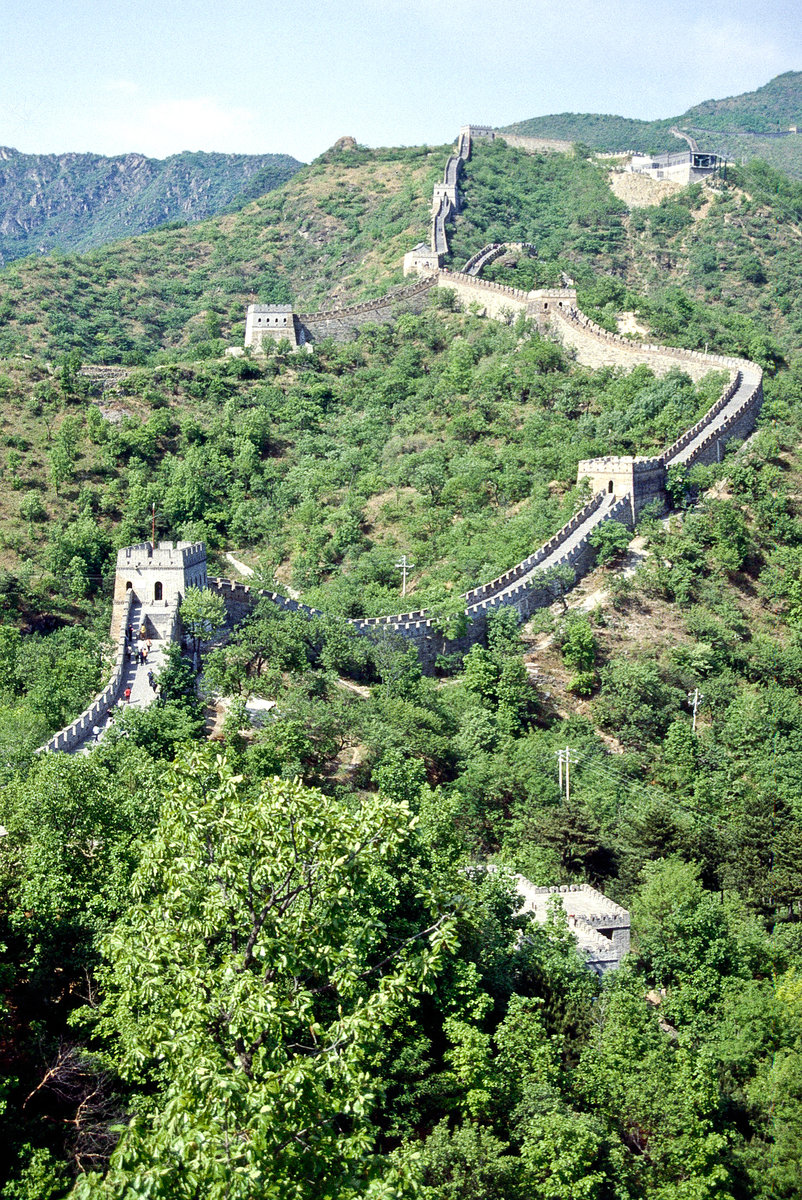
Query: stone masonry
pixel 601 927
pixel 269 322
pixel 151 580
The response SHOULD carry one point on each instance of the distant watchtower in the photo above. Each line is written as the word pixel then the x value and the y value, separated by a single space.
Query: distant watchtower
pixel 269 322
pixel 158 576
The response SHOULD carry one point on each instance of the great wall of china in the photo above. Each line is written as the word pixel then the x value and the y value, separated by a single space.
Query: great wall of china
pixel 621 486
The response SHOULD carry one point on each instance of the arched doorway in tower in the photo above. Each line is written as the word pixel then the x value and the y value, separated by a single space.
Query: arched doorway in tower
pixel 157 591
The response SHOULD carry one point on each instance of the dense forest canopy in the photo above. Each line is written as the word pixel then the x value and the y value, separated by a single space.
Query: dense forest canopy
pixel 273 962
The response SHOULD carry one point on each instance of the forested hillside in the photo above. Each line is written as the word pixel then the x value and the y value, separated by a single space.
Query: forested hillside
pixel 77 201
pixel 337 230
pixel 754 125
pixel 250 958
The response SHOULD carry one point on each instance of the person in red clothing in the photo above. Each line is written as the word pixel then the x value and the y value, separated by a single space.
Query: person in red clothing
pixel 127 694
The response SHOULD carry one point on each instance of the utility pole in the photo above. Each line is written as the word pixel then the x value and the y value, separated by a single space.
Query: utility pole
pixel 693 698
pixel 153 526
pixel 564 759
pixel 403 566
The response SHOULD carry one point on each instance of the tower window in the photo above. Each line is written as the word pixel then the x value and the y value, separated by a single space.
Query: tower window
pixel 157 591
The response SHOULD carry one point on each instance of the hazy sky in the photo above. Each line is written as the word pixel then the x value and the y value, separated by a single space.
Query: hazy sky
pixel 160 76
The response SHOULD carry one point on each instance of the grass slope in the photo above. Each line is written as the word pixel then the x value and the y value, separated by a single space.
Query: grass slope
pixel 442 438
pixel 337 231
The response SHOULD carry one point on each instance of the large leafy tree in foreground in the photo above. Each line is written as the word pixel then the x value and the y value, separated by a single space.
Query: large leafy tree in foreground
pixel 249 985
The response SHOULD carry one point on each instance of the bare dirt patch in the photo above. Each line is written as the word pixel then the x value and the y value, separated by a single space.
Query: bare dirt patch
pixel 629 325
pixel 641 191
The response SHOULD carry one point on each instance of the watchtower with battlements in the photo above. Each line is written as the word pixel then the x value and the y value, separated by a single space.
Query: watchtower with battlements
pixel 269 322
pixel 158 576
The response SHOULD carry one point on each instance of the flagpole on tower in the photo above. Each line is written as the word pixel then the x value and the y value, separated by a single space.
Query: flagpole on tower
pixel 153 525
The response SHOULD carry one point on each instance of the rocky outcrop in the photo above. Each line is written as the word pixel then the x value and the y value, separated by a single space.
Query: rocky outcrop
pixel 79 201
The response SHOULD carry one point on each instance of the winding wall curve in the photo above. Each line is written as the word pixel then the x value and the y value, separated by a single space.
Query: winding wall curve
pixel 630 482
pixel 621 486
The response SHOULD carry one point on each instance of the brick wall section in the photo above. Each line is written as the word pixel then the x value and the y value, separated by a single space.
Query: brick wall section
pixel 101 706
pixel 534 145
pixel 733 415
pixel 493 299
pixel 341 323
pixel 490 253
pixel 573 549
pixel 597 347
pixel 445 196
pixel 487 590
pixel 518 588
pixel 591 916
pixel 735 419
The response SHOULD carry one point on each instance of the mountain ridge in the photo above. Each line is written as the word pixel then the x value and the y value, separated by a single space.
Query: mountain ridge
pixel 78 201
pixel 746 126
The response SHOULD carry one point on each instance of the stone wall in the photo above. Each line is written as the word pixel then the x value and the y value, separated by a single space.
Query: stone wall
pixel 713 435
pixel 445 196
pixel 157 574
pixel 641 479
pixel 104 378
pixel 486 591
pixel 591 915
pixel 689 435
pixel 596 347
pixel 103 703
pixel 534 145
pixel 271 323
pixel 573 549
pixel 622 485
pixel 342 323
pixel 490 253
pixel 240 600
pixel 517 588
pixel 493 299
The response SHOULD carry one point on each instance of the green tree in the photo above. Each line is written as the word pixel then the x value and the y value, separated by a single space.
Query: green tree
pixel 610 540
pixel 578 644
pixel 250 983
pixel 203 614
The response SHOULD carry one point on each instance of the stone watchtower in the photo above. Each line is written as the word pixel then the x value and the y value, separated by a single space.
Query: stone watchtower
pixel 642 479
pixel 158 576
pixel 269 322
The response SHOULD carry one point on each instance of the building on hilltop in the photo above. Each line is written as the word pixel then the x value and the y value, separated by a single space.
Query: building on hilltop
pixel 600 926
pixel 640 478
pixel 683 166
pixel 269 322
pixel 422 260
pixel 479 131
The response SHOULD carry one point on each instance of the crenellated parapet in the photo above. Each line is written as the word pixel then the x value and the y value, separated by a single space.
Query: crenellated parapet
pixel 340 323
pixel 488 254
pixel 96 713
pixel 486 591
pixel 600 927
pixel 269 323
pixel 596 347
pixel 155 576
